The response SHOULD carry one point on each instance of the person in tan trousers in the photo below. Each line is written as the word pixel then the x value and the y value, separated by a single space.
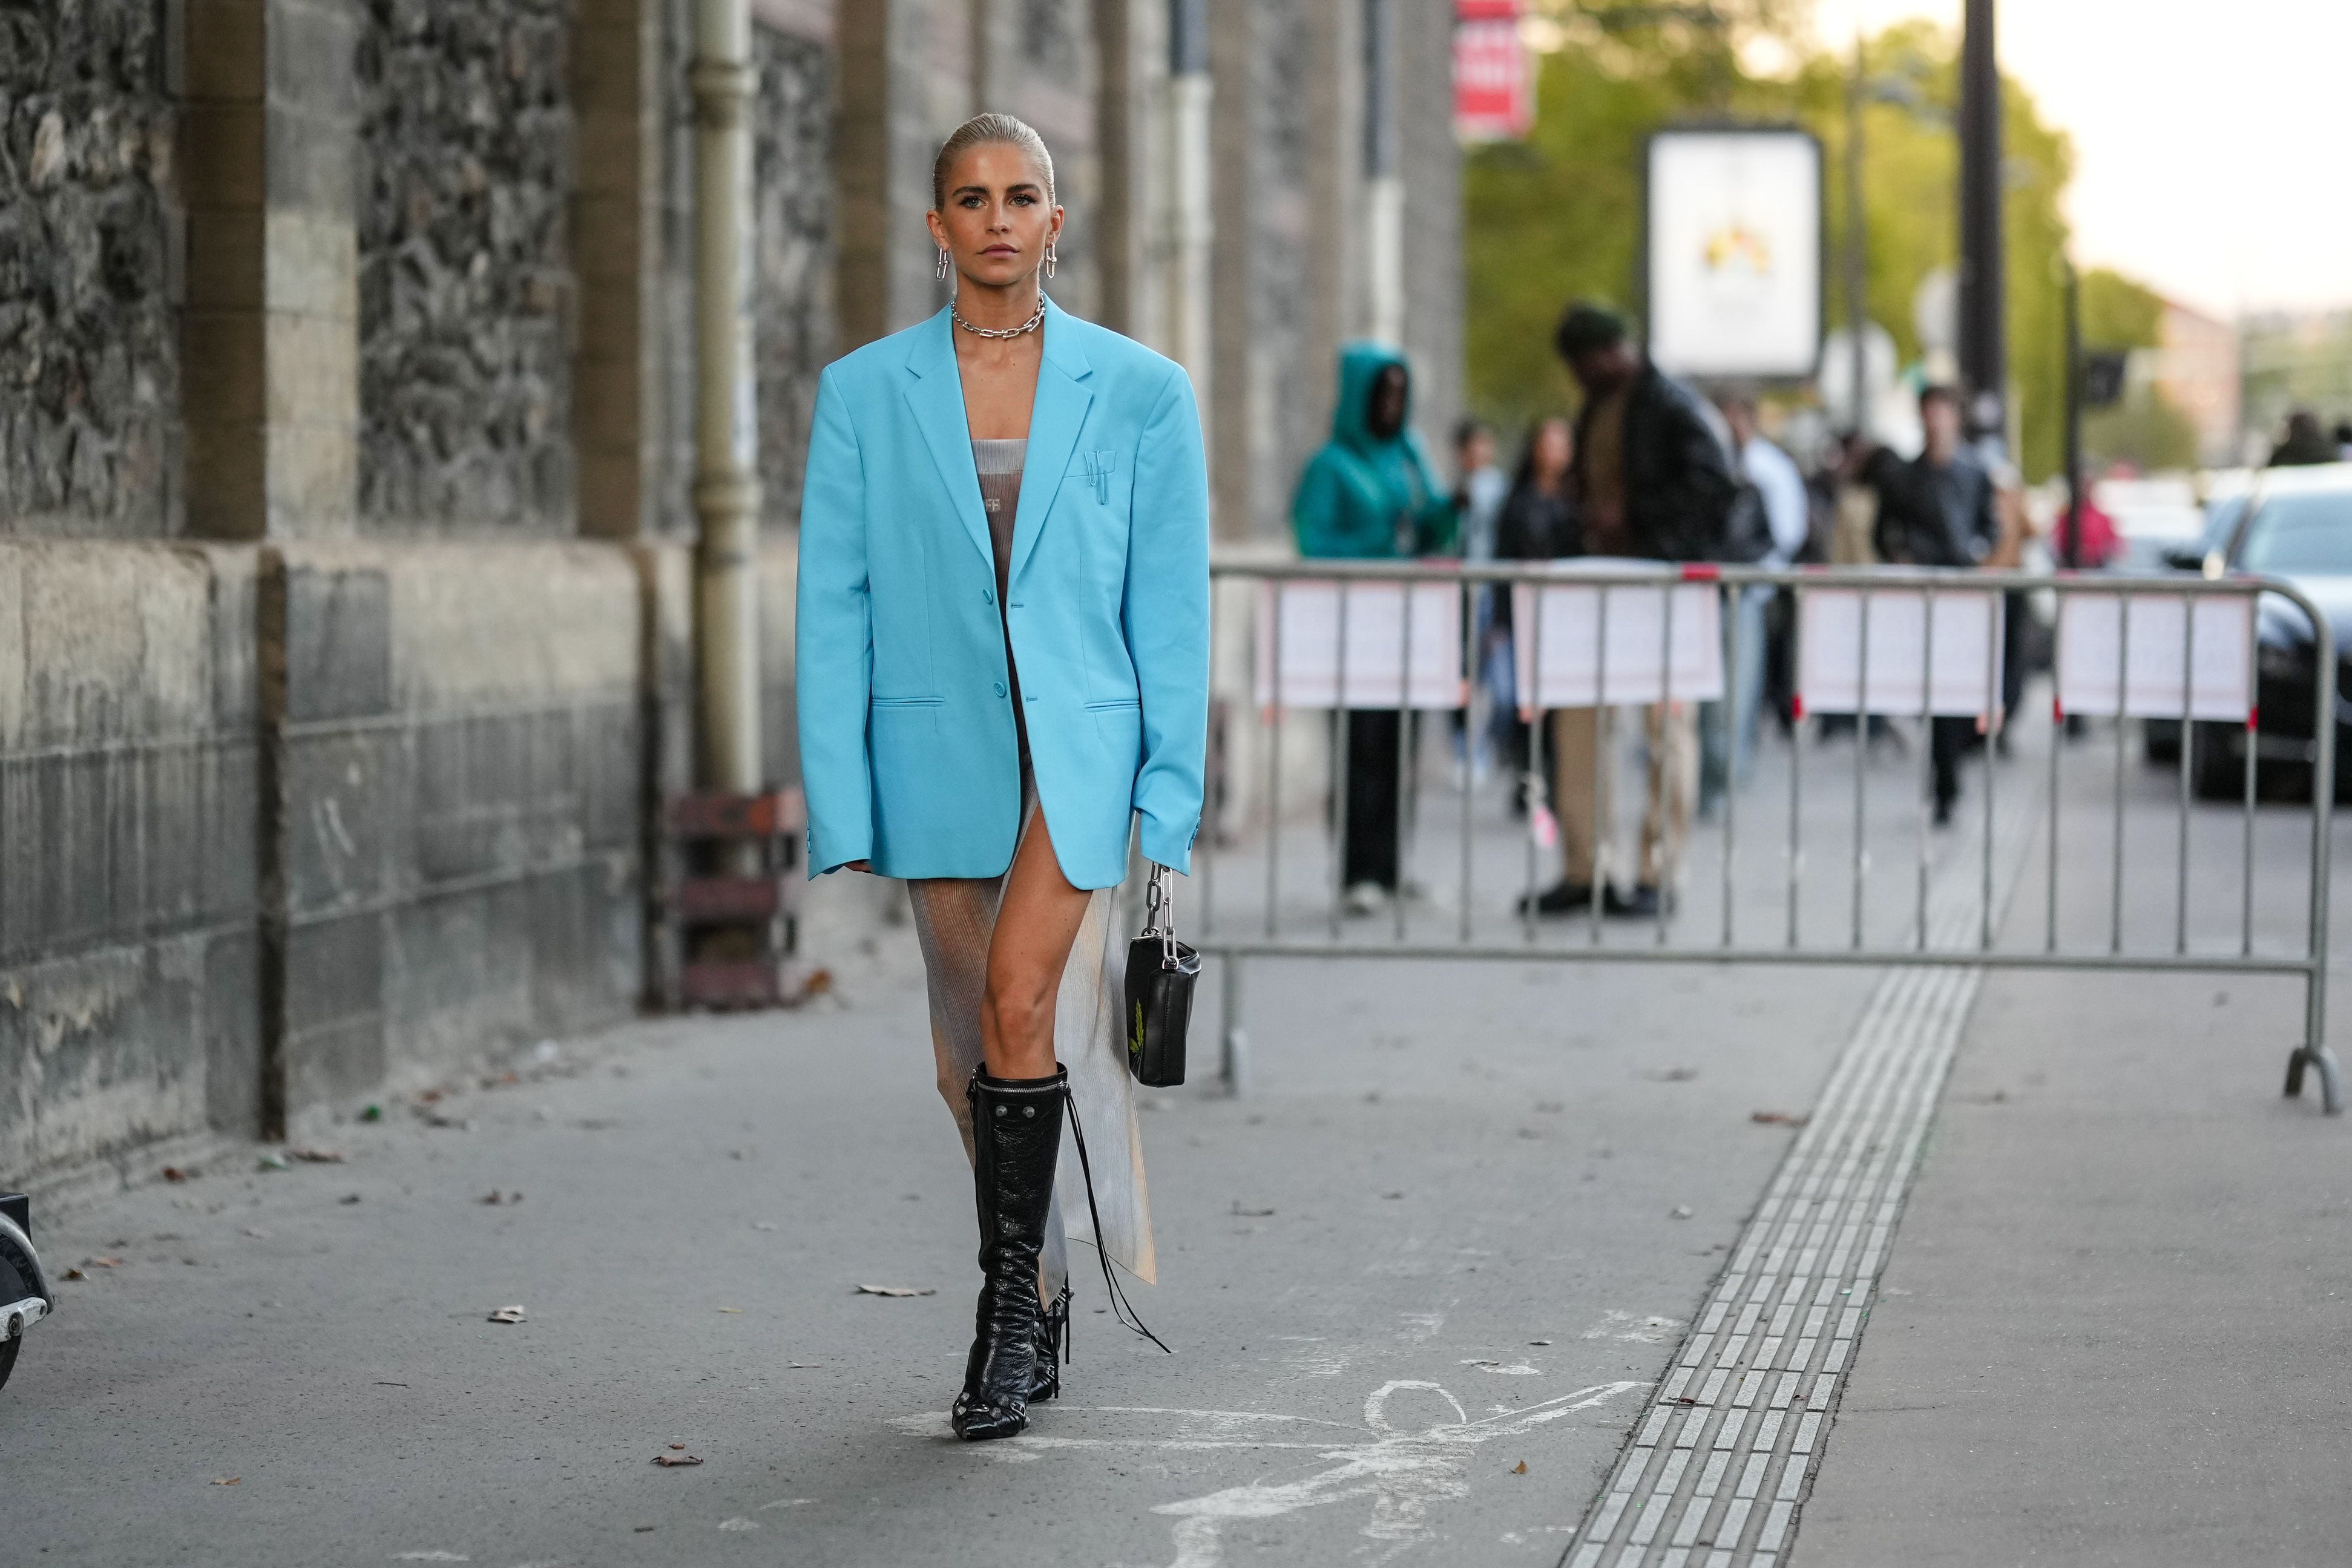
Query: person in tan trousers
pixel 1653 481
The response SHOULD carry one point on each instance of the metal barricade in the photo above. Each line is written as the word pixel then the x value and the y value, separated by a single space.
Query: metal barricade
pixel 1404 641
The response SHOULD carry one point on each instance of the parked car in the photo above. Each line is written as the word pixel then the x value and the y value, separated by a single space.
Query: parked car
pixel 2296 525
pixel 2225 504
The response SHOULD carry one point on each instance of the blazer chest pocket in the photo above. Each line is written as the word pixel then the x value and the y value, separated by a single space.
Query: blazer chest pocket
pixel 1095 469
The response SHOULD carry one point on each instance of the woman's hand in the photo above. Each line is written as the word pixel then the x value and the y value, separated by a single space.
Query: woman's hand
pixel 866 866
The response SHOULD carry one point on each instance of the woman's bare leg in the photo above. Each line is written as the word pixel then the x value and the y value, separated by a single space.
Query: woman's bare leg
pixel 1036 923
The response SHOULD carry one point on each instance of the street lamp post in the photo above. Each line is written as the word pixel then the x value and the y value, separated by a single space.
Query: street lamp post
pixel 1984 353
pixel 1857 243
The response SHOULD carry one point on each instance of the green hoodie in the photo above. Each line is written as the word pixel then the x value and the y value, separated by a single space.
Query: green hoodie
pixel 1363 497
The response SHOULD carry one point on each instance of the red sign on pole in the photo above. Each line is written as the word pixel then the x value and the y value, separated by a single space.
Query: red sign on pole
pixel 1493 90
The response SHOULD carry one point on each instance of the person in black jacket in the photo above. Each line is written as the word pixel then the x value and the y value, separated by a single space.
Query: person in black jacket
pixel 1537 522
pixel 1940 509
pixel 1654 478
pixel 1653 481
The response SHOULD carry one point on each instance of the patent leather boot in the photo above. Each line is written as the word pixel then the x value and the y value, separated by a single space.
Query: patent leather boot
pixel 1016 1125
pixel 1053 1347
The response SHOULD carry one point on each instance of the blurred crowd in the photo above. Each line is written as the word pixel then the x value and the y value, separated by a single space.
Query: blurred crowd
pixel 1647 469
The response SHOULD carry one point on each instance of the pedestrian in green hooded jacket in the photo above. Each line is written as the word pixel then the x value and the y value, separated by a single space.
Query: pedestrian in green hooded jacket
pixel 1371 494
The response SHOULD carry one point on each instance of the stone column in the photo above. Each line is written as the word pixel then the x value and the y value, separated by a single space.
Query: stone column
pixel 617 94
pixel 270 336
pixel 1430 164
pixel 887 104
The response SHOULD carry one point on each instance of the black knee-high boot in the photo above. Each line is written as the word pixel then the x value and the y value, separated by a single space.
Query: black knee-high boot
pixel 1016 1129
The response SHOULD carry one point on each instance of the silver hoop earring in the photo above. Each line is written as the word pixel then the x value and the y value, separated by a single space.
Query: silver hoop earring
pixel 1049 260
pixel 942 271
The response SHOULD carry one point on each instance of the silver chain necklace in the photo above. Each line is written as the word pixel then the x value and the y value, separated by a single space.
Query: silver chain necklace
pixel 1030 325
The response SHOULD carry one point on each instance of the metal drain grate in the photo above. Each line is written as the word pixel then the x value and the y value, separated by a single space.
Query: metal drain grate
pixel 1721 1461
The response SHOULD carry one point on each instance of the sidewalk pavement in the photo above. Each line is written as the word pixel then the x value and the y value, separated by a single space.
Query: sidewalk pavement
pixel 1452 1232
pixel 1457 1228
pixel 2112 1330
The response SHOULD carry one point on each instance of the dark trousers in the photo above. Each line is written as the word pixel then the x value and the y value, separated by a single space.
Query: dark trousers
pixel 1369 852
pixel 1949 742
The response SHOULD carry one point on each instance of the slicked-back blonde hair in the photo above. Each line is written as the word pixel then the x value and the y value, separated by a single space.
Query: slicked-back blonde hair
pixel 987 130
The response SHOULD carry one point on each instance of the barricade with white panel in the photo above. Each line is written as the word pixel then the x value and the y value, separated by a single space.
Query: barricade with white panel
pixel 1883 644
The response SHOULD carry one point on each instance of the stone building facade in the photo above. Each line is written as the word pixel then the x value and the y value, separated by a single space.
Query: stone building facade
pixel 346 376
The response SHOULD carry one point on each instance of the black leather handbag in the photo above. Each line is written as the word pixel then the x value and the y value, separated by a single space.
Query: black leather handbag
pixel 1161 972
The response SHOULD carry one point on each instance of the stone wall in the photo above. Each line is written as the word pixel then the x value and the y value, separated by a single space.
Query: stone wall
pixel 458 764
pixel 130 988
pixel 88 241
pixel 791 296
pixel 466 282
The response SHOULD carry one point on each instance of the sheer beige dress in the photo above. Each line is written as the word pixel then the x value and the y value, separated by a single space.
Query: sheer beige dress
pixel 954 918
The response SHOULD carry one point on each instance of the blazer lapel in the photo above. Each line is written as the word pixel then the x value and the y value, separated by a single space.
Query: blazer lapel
pixel 935 392
pixel 1055 421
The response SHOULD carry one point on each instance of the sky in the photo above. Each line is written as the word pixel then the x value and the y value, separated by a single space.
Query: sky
pixel 2213 140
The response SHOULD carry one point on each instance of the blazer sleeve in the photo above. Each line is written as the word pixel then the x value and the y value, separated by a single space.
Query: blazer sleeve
pixel 834 640
pixel 1165 617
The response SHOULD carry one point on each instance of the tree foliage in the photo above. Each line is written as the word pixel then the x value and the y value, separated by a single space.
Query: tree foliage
pixel 1559 216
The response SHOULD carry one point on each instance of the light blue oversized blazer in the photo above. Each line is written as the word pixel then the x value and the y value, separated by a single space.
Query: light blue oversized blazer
pixel 908 750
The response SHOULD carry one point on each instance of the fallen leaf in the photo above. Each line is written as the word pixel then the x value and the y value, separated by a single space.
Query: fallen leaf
pixel 75 1274
pixel 818 983
pixel 373 1113
pixel 738 1523
pixel 1778 1118
pixel 348 1198
pixel 507 1316
pixel 1521 1468
pixel 173 1173
pixel 1682 1211
pixel 1539 1341
pixel 671 1461
pixel 764 1224
pixel 230 1481
pixel 1392 1195
pixel 428 1096
pixel 1251 1213
pixel 318 1156
pixel 894 1291
pixel 380 1383
pixel 677 1447
pixel 805 1366
pixel 1673 1075
pixel 641 1529
pixel 106 1262
pixel 256 1233
pixel 275 1163
pixel 730 1308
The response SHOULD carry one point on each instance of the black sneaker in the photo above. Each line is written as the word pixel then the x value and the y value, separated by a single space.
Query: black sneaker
pixel 1642 903
pixel 1561 898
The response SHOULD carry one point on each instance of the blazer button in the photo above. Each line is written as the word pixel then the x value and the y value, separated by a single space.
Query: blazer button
pixel 1000 688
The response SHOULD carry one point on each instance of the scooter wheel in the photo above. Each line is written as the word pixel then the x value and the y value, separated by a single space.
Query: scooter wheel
pixel 14 1287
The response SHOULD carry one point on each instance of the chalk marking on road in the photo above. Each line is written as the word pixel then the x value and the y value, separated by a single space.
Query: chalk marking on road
pixel 1401 1472
pixel 1815 1244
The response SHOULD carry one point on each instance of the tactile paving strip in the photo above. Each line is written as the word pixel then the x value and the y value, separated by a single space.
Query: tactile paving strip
pixel 1723 1455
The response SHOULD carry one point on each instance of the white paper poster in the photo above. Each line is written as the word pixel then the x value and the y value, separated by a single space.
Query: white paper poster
pixel 1900 671
pixel 1734 248
pixel 1403 648
pixel 1642 642
pixel 2162 671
